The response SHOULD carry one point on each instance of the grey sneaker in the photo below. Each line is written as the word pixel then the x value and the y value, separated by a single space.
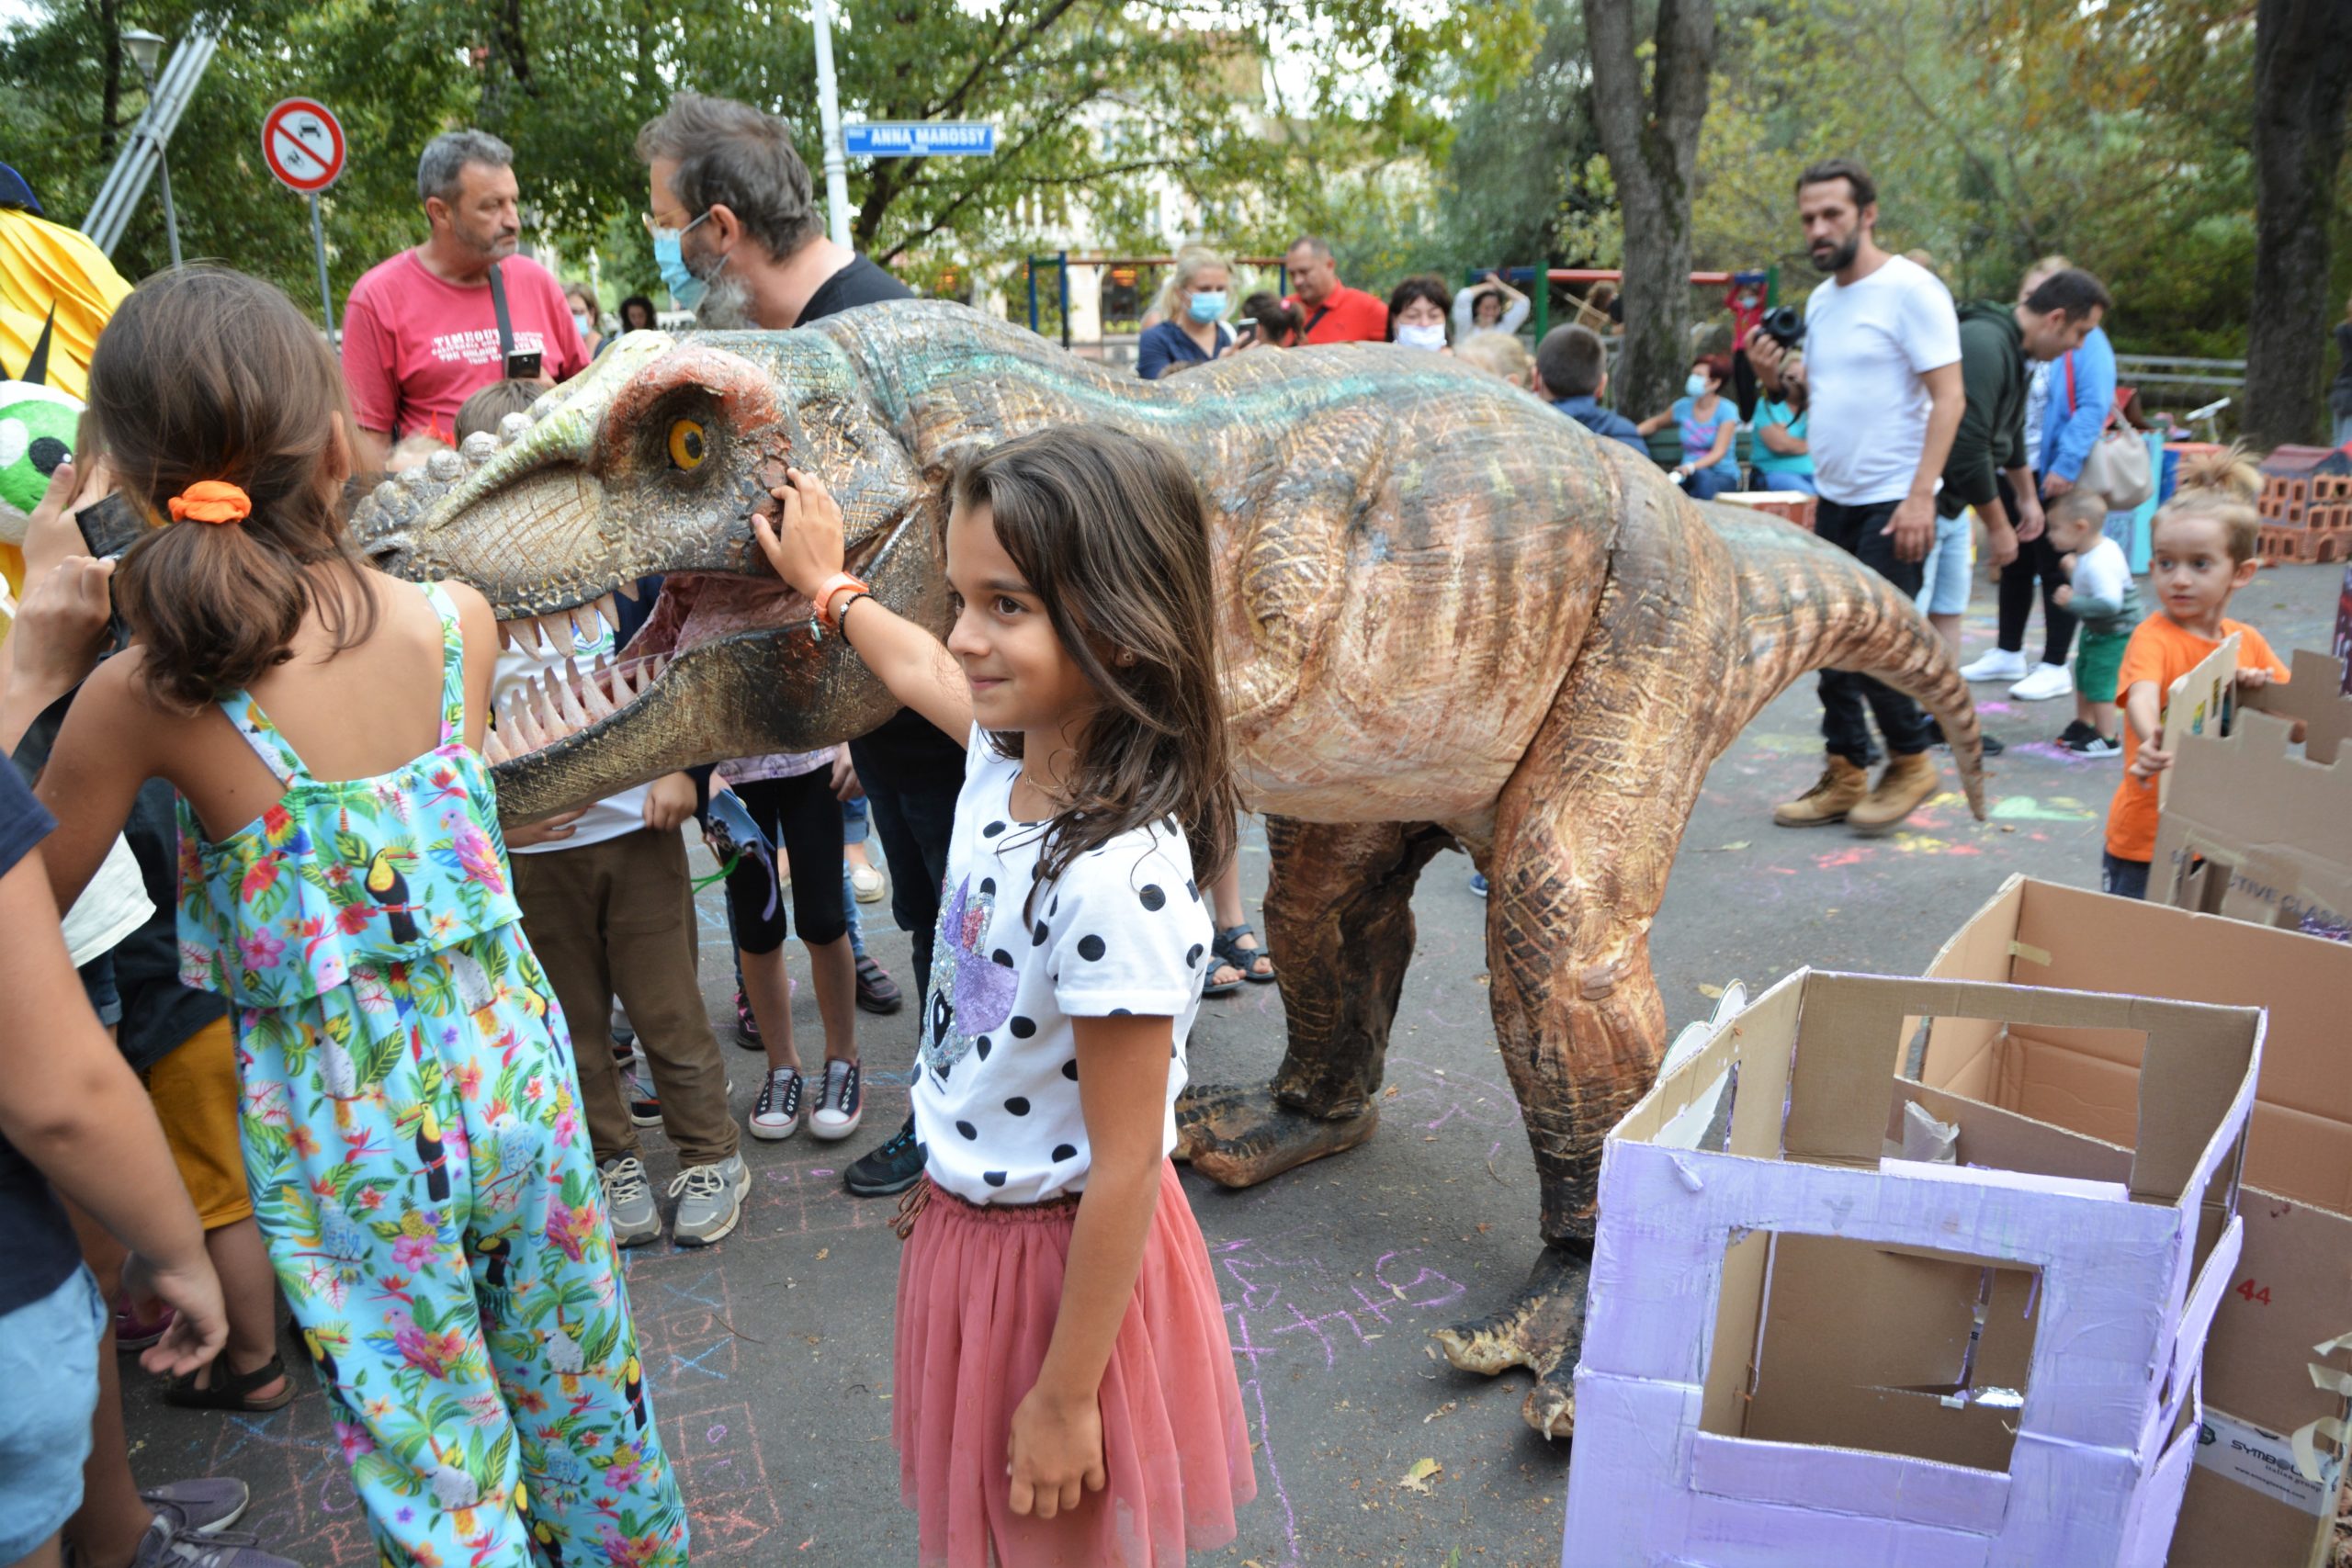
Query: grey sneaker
pixel 162 1546
pixel 710 1200
pixel 630 1201
pixel 201 1506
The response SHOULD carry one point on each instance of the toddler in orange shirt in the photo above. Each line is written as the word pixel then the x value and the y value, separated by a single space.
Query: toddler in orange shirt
pixel 2203 546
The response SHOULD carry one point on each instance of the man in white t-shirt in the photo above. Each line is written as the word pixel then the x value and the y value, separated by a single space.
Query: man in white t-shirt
pixel 1881 379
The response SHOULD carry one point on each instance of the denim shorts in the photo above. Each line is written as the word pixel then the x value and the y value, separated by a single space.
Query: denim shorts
pixel 1943 586
pixel 49 1364
pixel 98 985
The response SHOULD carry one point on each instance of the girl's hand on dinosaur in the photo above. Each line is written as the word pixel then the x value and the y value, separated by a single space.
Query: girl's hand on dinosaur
pixel 803 544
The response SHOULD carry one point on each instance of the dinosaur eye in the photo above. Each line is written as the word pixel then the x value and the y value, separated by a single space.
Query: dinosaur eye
pixel 688 446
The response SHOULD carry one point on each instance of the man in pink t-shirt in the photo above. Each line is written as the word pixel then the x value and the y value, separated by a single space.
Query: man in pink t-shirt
pixel 420 335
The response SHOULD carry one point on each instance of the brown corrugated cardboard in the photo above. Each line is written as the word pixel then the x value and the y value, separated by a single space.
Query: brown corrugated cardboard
pixel 2257 827
pixel 2293 1289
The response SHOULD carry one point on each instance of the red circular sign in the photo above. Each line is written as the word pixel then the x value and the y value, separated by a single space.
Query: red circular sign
pixel 302 144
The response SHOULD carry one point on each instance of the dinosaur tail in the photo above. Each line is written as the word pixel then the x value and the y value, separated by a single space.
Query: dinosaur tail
pixel 1806 604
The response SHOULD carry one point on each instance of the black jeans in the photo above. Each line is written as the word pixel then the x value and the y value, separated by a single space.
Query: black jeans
pixel 2036 570
pixel 913 773
pixel 801 818
pixel 1860 531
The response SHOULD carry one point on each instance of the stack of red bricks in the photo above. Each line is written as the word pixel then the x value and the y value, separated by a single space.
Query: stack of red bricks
pixel 1790 506
pixel 2305 516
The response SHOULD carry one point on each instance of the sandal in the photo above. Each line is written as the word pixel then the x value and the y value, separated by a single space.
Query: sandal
pixel 1228 950
pixel 233 1391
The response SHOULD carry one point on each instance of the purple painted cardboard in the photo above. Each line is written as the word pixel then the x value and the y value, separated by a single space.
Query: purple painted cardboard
pixel 1703 1274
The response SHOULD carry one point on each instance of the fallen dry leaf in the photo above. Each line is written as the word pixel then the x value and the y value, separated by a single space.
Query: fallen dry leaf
pixel 1420 1477
pixel 822 1253
pixel 1710 991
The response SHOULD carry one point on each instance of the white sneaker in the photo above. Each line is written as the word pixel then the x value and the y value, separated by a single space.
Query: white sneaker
pixel 839 1106
pixel 2046 681
pixel 1998 665
pixel 777 1115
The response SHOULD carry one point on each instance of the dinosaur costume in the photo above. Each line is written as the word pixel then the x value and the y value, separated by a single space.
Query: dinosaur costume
pixel 1449 616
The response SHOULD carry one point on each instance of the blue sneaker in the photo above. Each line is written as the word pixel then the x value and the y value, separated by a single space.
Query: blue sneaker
pixel 1478 883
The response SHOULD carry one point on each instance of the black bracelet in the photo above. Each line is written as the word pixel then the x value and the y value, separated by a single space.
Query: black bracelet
pixel 841 617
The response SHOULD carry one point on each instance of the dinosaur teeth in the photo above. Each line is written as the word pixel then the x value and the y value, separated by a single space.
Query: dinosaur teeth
pixel 493 749
pixel 593 701
pixel 566 695
pixel 515 715
pixel 555 636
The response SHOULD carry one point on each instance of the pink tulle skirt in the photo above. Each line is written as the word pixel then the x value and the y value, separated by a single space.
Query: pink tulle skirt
pixel 978 1290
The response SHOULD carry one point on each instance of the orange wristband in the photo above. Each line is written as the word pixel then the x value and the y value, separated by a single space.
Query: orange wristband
pixel 834 585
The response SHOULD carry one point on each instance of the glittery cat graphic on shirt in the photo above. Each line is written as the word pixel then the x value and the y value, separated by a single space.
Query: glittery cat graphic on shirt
pixel 971 991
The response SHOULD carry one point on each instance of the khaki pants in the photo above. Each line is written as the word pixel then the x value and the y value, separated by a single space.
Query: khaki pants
pixel 617 917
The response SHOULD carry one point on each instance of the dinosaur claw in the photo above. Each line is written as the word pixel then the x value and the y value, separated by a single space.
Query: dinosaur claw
pixel 1540 1328
pixel 1239 1136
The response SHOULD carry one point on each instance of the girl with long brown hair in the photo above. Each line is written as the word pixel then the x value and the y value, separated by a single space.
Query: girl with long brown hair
pixel 410 1122
pixel 1065 1390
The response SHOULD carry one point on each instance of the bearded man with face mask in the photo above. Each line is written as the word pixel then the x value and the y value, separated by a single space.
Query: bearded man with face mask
pixel 421 331
pixel 738 238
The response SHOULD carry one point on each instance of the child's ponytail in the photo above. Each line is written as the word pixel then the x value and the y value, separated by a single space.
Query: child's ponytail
pixel 2226 473
pixel 2223 485
pixel 216 403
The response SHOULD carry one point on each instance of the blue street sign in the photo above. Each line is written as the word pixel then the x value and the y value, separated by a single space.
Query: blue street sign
pixel 919 139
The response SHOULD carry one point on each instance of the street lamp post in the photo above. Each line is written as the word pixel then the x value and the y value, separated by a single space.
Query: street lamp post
pixel 145 49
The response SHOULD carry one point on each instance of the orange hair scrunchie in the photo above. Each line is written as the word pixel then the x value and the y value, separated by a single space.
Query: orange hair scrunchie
pixel 211 501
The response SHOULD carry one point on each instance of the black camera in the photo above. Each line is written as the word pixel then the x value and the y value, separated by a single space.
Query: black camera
pixel 1784 324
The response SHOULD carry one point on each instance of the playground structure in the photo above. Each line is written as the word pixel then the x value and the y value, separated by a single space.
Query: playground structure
pixel 1105 325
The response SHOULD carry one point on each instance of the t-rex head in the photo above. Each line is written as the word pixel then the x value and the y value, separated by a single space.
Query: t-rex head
pixel 652 461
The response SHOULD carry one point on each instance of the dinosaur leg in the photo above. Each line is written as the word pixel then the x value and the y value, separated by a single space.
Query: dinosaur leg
pixel 1576 877
pixel 1339 922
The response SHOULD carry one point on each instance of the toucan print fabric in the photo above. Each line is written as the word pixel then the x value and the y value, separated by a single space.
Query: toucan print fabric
pixel 419 1165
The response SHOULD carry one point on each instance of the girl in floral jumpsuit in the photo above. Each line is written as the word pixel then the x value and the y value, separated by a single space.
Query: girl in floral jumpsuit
pixel 411 1134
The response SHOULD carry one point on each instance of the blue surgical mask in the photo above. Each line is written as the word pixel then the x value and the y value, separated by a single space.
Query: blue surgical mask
pixel 676 276
pixel 1208 305
pixel 1696 384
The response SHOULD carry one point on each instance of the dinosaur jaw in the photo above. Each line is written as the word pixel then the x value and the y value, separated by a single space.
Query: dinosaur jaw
pixel 725 666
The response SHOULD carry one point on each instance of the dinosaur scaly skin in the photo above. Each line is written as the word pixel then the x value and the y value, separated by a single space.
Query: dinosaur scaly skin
pixel 1449 616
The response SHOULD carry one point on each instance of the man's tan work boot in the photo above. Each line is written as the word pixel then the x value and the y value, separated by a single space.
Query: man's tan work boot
pixel 1841 789
pixel 1908 782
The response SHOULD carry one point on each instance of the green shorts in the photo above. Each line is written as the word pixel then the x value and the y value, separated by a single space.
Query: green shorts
pixel 2097 657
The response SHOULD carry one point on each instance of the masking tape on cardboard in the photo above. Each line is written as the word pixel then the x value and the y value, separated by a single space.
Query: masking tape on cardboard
pixel 2331 1380
pixel 2329 1347
pixel 2324 1471
pixel 2273 1466
pixel 2030 953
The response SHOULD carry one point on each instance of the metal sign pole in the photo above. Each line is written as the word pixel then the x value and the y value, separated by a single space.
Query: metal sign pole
pixel 319 244
pixel 829 116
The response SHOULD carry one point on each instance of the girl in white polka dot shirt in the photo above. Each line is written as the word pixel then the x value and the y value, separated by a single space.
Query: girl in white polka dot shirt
pixel 1065 1388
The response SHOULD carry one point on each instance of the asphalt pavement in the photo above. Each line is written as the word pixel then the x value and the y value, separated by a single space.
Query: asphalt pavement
pixel 768 1357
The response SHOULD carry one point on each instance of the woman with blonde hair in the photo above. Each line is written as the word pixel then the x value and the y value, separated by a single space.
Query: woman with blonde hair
pixel 1191 307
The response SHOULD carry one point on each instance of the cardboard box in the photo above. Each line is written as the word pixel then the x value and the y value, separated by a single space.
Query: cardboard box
pixel 2257 827
pixel 1799 1352
pixel 2246 1503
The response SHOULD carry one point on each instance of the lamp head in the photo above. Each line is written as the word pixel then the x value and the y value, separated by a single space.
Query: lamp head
pixel 145 49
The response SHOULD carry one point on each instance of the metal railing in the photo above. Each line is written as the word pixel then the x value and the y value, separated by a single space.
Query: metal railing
pixel 2169 370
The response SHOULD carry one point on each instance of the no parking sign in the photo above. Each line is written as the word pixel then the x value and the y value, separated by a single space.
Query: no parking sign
pixel 302 144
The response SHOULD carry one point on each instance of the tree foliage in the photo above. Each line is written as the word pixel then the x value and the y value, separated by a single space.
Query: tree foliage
pixel 1094 100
